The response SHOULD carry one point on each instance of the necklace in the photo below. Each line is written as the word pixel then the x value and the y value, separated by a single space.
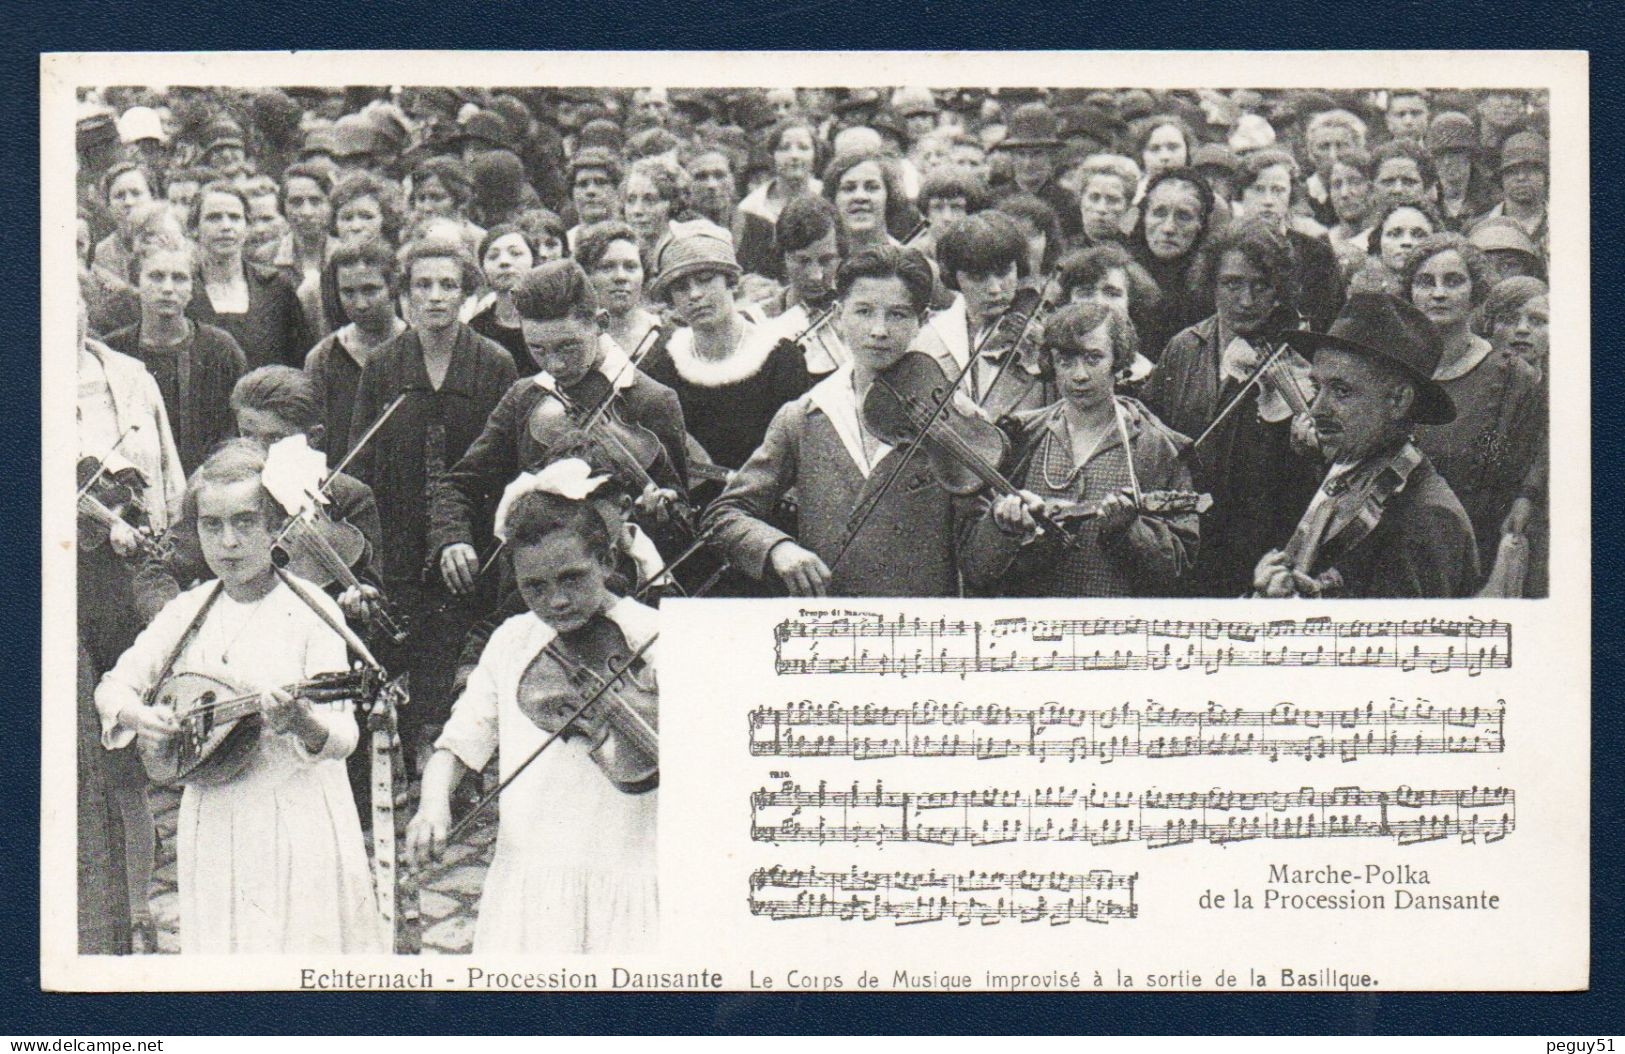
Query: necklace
pixel 1065 482
pixel 225 650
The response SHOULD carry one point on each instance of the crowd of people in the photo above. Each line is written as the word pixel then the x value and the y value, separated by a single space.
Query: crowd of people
pixel 567 351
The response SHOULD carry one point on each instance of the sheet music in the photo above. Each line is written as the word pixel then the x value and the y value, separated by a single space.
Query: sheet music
pixel 915 793
pixel 868 642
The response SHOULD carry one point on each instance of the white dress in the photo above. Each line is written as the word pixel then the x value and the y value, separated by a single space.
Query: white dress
pixel 272 862
pixel 575 869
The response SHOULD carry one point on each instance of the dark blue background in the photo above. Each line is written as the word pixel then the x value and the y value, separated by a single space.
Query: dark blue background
pixel 780 24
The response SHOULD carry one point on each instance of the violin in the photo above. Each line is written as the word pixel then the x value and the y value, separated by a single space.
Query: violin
pixel 324 551
pixel 312 544
pixel 596 667
pixel 585 425
pixel 964 449
pixel 1150 503
pixel 109 498
pixel 912 402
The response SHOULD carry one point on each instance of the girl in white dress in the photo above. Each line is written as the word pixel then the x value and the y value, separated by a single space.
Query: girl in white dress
pixel 271 862
pixel 574 870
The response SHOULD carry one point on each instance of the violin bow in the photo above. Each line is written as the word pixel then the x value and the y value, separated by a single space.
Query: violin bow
pixel 381 736
pixel 101 462
pixel 700 541
pixel 1128 451
pixel 914 444
pixel 1039 309
pixel 597 693
pixel 1235 400
pixel 366 437
pixel 646 346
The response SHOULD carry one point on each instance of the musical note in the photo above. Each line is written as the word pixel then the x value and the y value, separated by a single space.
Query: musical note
pixel 910 898
pixel 1158 818
pixel 883 645
pixel 930 729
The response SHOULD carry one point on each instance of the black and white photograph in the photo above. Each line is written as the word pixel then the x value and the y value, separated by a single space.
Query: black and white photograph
pixel 402 409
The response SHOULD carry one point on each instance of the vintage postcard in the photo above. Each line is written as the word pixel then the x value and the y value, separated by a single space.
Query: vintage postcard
pixel 816 522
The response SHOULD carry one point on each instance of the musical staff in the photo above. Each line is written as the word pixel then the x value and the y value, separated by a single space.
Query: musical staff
pixel 931 729
pixel 998 816
pixel 907 899
pixel 868 642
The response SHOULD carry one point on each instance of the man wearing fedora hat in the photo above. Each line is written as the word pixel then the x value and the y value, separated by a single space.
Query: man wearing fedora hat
pixel 1031 139
pixel 1383 523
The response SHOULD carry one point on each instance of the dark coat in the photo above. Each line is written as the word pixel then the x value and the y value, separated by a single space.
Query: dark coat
pixel 1320 280
pixel 466 496
pixel 430 431
pixel 273 329
pixel 1260 485
pixel 1422 547
pixel 201 414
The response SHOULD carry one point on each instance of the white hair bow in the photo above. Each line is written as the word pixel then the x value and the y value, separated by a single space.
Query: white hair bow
pixel 570 478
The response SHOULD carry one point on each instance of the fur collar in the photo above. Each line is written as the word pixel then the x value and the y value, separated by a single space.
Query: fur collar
pixel 745 363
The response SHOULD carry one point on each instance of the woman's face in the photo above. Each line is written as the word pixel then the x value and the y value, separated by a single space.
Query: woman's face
pixel 265 224
pixel 360 220
pixel 1443 288
pixel 164 284
pixel 431 198
pixel 1243 294
pixel 1110 288
pixel 233 532
pixel 1527 331
pixel 126 192
pixel 704 299
pixel 945 209
pixel 1164 149
pixel 793 157
pixel 645 210
pixel 1084 374
pixel 1402 231
pixel 860 199
pixel 1270 195
pixel 435 290
pixel 505 262
pixel 549 247
pixel 309 211
pixel 618 277
pixel 1104 200
pixel 1350 192
pixel 930 154
pixel 222 225
pixel 1173 219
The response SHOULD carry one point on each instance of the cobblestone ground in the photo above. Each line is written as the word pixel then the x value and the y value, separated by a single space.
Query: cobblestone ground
pixel 446 903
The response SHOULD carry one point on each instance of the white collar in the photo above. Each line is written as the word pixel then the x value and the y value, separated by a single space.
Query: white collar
pixel 612 366
pixel 745 362
pixel 952 327
pixel 834 396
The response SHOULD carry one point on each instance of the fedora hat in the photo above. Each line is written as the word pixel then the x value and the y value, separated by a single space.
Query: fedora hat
pixel 1384 327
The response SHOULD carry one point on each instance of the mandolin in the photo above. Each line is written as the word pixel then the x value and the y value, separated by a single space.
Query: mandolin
pixel 219 725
